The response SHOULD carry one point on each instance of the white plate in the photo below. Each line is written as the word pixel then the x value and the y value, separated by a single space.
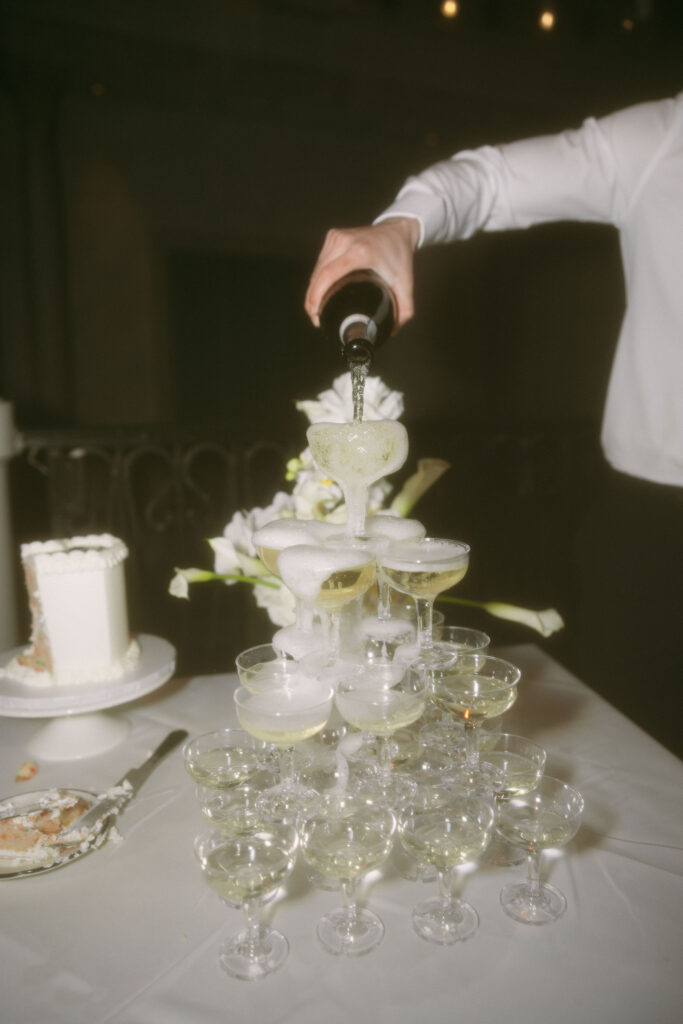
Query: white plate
pixel 23 803
pixel 24 700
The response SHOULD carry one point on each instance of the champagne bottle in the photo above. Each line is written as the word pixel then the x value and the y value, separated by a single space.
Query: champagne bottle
pixel 359 311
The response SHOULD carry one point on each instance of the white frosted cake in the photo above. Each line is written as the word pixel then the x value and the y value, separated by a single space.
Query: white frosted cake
pixel 77 597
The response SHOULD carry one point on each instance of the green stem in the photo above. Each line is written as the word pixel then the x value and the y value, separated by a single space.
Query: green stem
pixel 242 579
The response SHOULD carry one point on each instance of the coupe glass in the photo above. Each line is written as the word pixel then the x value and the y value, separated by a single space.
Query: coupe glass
pixel 445 731
pixel 476 687
pixel 344 838
pixel 548 816
pixel 265 667
pixel 449 831
pixel 223 759
pixel 285 717
pixel 246 869
pixel 326 578
pixel 234 812
pixel 356 455
pixel 380 705
pixel 430 770
pixel 389 528
pixel 423 569
pixel 513 766
pixel 270 541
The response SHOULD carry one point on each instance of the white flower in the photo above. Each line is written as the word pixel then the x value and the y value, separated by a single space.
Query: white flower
pixel 315 496
pixel 278 602
pixel 545 622
pixel 336 404
pixel 234 552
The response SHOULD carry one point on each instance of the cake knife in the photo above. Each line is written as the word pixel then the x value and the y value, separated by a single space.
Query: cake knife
pixel 105 809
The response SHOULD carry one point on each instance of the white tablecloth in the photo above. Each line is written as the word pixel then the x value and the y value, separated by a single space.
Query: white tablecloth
pixel 130 933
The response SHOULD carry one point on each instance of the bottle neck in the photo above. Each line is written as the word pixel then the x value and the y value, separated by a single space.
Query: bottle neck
pixel 356 326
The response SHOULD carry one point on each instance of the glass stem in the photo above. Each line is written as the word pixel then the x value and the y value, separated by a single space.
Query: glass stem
pixel 534 873
pixel 304 616
pixel 287 766
pixel 424 608
pixel 334 632
pixel 446 888
pixel 252 914
pixel 471 746
pixel 384 757
pixel 349 900
pixel 355 511
pixel 383 598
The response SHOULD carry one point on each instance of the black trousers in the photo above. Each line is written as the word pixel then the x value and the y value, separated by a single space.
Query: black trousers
pixel 629 643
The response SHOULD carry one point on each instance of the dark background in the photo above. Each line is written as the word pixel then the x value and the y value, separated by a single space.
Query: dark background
pixel 168 172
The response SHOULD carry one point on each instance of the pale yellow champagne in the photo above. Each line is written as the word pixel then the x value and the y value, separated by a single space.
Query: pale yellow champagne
pixel 285 716
pixel 423 582
pixel 380 712
pixel 517 774
pixel 222 768
pixel 534 829
pixel 356 455
pixel 472 697
pixel 344 849
pixel 247 867
pixel 434 838
pixel 326 577
pixel 345 585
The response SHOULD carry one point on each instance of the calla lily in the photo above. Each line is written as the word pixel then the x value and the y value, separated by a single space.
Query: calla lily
pixel 180 584
pixel 545 622
pixel 428 472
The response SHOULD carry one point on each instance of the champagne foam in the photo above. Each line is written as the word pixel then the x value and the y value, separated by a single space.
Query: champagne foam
pixel 305 567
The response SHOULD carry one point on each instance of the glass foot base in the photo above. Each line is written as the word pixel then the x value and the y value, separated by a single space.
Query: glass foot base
pixel 350 934
pixel 239 960
pixel 528 907
pixel 445 923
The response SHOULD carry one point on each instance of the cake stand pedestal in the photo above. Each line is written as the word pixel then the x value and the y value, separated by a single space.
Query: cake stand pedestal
pixel 79 725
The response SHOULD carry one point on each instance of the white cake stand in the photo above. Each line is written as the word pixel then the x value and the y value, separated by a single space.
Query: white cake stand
pixel 78 726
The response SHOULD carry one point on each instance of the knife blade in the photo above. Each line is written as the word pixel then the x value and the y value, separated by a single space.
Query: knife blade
pixel 110 805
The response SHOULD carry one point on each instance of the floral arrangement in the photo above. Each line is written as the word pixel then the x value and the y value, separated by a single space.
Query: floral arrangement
pixel 314 496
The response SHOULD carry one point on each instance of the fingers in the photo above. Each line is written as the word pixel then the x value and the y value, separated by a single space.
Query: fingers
pixel 340 254
pixel 387 248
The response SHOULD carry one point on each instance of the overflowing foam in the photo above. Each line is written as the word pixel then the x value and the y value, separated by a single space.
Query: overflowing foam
pixel 354 453
pixel 394 527
pixel 283 533
pixel 305 567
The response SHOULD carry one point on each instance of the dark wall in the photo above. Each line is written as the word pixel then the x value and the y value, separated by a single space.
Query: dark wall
pixel 168 173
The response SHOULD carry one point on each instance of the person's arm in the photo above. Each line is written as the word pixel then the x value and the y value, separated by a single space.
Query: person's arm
pixel 589 174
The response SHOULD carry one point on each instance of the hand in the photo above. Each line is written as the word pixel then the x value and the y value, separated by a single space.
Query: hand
pixel 386 248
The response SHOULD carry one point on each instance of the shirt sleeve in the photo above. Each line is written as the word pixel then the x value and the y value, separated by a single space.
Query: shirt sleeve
pixel 588 174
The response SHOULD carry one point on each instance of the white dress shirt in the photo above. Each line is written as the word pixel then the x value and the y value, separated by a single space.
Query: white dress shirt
pixel 627 170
